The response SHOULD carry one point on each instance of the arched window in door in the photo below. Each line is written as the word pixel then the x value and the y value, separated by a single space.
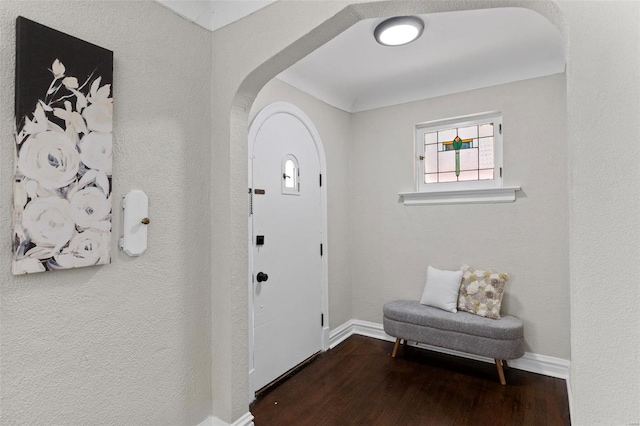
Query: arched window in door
pixel 290 175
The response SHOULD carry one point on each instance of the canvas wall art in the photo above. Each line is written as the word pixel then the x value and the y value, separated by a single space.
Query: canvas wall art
pixel 63 141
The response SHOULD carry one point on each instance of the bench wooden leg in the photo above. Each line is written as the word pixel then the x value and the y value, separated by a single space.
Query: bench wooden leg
pixel 504 364
pixel 500 372
pixel 395 348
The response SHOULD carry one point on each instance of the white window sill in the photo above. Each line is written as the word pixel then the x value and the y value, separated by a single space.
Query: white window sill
pixel 469 196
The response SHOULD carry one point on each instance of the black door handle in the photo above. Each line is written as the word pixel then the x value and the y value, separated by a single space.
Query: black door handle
pixel 262 277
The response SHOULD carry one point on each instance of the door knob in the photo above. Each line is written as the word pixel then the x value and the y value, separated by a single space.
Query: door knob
pixel 262 277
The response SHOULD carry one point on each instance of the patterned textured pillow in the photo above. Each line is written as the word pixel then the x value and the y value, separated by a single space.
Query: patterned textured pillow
pixel 481 292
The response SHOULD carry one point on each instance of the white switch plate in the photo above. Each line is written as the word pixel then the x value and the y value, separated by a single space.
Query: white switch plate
pixel 136 208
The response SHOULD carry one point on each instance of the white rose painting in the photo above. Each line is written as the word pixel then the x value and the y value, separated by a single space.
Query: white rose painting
pixel 63 142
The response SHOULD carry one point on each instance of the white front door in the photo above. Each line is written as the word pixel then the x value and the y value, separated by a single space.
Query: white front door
pixel 286 235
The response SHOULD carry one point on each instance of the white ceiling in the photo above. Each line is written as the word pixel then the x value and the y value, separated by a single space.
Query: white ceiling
pixel 458 51
pixel 214 14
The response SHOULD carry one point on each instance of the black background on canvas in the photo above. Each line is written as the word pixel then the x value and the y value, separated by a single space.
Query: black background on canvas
pixel 37 46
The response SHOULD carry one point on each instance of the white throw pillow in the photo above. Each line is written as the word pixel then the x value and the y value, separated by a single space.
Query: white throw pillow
pixel 441 289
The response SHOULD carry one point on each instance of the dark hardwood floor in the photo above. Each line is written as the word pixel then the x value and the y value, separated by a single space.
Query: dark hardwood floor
pixel 358 383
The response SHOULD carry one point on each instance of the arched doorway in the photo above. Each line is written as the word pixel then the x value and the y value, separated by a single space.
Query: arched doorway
pixel 287 228
pixel 241 78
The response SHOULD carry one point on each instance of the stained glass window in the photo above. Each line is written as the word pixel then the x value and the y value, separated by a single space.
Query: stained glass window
pixel 460 150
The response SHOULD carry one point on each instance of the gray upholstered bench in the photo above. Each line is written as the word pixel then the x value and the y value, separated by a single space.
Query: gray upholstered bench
pixel 500 339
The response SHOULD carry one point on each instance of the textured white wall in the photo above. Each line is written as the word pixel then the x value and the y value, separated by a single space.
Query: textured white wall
pixel 603 129
pixel 392 244
pixel 334 127
pixel 126 343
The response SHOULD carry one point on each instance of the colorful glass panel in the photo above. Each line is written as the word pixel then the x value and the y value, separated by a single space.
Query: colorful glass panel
pixel 431 178
pixel 486 153
pixel 485 174
pixel 447 177
pixel 430 138
pixel 486 130
pixel 468 175
pixel 431 158
pixel 468 132
pixel 469 159
pixel 446 161
pixel 448 146
pixel 460 154
pixel 447 135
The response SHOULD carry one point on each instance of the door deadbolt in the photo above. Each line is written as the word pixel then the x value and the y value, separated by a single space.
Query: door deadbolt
pixel 262 277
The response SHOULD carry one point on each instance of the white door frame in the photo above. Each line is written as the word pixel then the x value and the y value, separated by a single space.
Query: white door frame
pixel 254 127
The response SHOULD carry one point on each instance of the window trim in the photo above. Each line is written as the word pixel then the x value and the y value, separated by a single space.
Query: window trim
pixel 467 192
pixel 468 120
pixel 469 196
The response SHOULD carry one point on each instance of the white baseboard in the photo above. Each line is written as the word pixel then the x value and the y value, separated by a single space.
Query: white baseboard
pixel 340 333
pixel 209 422
pixel 534 363
pixel 245 420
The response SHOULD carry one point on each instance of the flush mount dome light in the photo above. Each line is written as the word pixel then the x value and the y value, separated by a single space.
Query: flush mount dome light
pixel 398 30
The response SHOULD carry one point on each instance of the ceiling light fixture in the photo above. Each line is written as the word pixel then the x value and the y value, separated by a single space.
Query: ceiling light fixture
pixel 398 30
